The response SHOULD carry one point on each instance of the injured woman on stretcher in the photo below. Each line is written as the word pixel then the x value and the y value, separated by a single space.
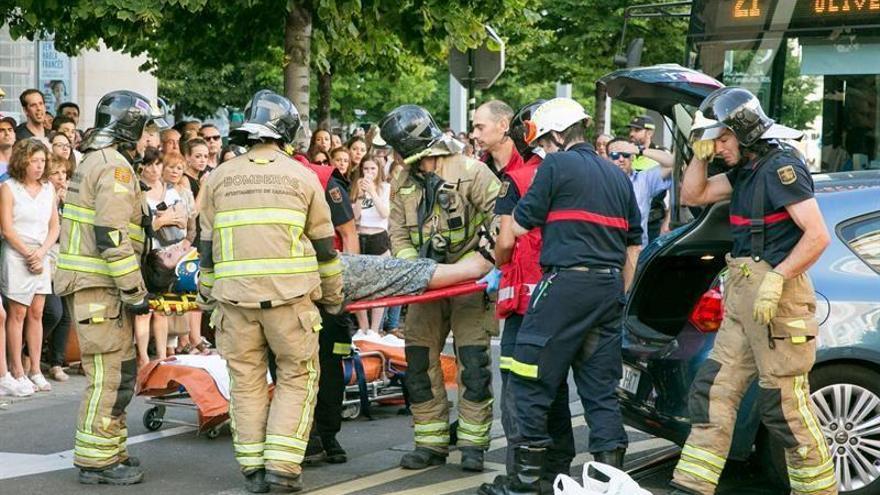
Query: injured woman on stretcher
pixel 174 269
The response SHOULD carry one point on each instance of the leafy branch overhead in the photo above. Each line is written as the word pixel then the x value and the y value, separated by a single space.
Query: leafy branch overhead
pixel 209 53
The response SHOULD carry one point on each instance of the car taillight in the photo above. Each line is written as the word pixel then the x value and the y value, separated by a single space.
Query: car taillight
pixel 708 312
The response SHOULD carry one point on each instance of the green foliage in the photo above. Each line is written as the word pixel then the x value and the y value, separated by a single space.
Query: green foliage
pixel 799 106
pixel 208 53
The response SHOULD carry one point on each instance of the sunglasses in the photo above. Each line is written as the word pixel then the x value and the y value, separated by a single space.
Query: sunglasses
pixel 211 138
pixel 617 155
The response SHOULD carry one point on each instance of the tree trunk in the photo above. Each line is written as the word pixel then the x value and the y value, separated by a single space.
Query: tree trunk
pixel 297 58
pixel 325 88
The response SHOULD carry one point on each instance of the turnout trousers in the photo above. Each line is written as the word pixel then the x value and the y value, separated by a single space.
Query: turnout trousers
pixel 106 344
pixel 560 454
pixel 780 356
pixel 573 321
pixel 427 326
pixel 334 344
pixel 272 434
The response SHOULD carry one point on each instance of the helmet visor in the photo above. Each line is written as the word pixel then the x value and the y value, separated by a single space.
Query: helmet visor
pixel 705 128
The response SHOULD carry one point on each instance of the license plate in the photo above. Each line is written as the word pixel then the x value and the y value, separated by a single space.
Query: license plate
pixel 630 379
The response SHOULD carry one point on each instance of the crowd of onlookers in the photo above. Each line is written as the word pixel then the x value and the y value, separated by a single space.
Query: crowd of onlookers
pixel 38 155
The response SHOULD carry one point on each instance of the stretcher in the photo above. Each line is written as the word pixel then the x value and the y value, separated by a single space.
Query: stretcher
pixel 461 289
pixel 182 387
pixel 374 374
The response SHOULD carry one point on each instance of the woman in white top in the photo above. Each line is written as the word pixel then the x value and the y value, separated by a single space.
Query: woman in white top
pixel 371 196
pixel 169 222
pixel 173 176
pixel 29 221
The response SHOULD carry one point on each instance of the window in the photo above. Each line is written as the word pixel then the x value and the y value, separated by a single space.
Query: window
pixel 17 67
pixel 863 237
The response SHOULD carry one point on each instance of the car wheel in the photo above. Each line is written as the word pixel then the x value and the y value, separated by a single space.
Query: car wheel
pixel 846 399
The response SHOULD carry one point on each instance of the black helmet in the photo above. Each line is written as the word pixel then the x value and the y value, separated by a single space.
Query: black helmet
pixel 120 118
pixel 731 108
pixel 409 129
pixel 267 116
pixel 518 127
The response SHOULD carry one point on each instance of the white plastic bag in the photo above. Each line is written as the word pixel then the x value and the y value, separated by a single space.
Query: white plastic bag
pixel 619 483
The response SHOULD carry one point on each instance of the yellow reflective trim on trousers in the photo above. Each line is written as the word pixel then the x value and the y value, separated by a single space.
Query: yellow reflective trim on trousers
pixel 481 429
pixel 432 439
pixel 309 404
pixel 285 441
pixel 704 456
pixel 698 471
pixel 265 267
pixel 341 348
pixel 476 439
pixel 248 448
pixel 505 362
pixel 330 268
pixel 84 437
pixel 407 253
pixel 806 473
pixel 259 216
pixel 97 390
pixel 816 486
pixel 246 461
pixel 90 264
pixel 523 369
pixel 282 456
pixel 80 214
pixel 431 427
pixel 95 453
pixel 808 417
pixel 226 250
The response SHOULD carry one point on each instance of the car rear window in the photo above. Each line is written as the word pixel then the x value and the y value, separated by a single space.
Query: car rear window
pixel 863 237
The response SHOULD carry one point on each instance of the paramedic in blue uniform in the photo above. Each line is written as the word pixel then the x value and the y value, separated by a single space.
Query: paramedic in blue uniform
pixel 592 235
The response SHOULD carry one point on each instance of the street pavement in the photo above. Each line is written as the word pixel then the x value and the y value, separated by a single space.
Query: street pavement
pixel 36 438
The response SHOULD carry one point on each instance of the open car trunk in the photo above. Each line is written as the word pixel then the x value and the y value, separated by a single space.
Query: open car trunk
pixel 671 278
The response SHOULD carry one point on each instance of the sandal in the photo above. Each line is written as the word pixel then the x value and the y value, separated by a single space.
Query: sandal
pixel 204 347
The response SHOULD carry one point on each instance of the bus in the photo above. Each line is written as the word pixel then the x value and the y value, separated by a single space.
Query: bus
pixel 814 64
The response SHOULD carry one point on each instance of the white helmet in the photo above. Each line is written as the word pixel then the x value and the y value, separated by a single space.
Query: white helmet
pixel 557 115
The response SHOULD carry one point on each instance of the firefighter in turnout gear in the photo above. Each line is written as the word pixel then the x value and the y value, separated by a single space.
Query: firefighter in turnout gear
pixel 439 206
pixel 769 330
pixel 102 239
pixel 267 257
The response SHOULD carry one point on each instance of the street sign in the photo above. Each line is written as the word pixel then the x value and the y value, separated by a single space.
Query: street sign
pixel 480 67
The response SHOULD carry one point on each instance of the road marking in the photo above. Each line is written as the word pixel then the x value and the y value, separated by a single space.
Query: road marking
pixel 14 465
pixel 451 486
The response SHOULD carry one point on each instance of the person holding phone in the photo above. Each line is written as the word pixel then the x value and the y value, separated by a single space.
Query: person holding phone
pixel 371 197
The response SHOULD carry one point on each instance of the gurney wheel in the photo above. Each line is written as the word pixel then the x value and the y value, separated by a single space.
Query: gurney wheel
pixel 153 418
pixel 351 411
pixel 213 433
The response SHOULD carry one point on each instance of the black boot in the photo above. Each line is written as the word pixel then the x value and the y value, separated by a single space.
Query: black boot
pixel 131 461
pixel 119 474
pixel 526 477
pixel 421 458
pixel 472 459
pixel 284 482
pixel 334 452
pixel 255 482
pixel 315 453
pixel 613 458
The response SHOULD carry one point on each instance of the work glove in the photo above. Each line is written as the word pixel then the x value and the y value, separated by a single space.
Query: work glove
pixel 704 150
pixel 492 280
pixel 767 298
pixel 141 307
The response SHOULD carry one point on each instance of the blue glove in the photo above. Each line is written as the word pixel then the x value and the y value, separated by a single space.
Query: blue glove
pixel 492 280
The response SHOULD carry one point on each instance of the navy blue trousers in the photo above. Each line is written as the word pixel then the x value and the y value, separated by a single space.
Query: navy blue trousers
pixel 573 322
pixel 561 453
